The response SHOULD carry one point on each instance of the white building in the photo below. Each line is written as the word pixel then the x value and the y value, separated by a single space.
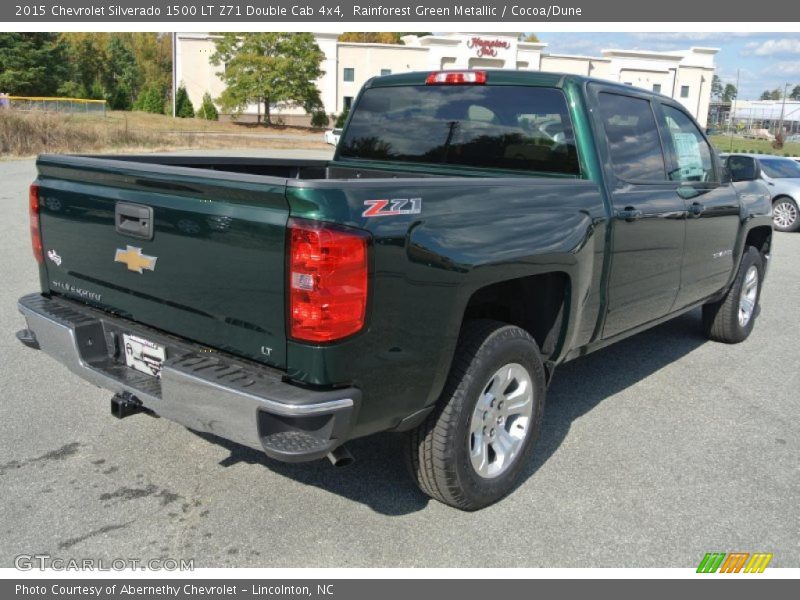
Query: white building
pixel 684 75
pixel 767 114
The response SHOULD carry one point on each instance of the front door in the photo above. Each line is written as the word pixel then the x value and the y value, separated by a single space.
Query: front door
pixel 712 206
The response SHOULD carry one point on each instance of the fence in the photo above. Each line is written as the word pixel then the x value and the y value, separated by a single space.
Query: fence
pixel 58 105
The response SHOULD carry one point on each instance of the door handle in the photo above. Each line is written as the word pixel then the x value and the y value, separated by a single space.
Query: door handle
pixel 134 220
pixel 629 214
pixel 696 209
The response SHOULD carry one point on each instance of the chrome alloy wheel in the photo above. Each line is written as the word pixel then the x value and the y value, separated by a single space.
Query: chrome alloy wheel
pixel 501 421
pixel 747 299
pixel 784 214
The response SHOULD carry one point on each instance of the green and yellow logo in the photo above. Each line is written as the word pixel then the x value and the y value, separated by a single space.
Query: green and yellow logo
pixel 735 562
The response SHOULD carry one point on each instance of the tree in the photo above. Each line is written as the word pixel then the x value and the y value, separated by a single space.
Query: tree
pixel 531 37
pixel 207 109
pixel 379 37
pixel 151 99
pixel 730 93
pixel 121 74
pixel 765 95
pixel 795 95
pixel 716 87
pixel 776 94
pixel 32 64
pixel 269 68
pixel 183 105
pixel 153 55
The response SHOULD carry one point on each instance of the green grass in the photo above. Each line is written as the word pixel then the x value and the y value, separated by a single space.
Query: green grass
pixel 723 143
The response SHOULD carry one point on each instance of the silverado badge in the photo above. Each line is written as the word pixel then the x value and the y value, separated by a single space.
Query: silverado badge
pixel 134 259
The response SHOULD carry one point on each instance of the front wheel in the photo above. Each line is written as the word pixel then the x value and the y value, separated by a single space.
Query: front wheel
pixel 470 451
pixel 785 215
pixel 731 319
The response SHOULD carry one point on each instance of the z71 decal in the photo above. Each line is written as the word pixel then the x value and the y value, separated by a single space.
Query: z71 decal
pixel 392 208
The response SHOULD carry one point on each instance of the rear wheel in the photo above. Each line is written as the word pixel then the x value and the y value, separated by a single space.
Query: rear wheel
pixel 470 451
pixel 731 319
pixel 785 215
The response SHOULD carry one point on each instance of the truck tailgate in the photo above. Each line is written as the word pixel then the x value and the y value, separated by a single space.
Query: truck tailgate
pixel 212 268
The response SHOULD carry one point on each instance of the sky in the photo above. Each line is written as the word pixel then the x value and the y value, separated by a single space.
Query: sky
pixel 766 60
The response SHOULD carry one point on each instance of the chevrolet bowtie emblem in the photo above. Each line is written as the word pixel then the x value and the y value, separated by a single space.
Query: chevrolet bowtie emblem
pixel 134 259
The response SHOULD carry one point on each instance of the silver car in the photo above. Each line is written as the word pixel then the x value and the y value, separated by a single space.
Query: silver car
pixel 782 178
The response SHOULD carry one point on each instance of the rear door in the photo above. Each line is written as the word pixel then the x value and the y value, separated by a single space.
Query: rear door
pixel 712 207
pixel 193 252
pixel 649 224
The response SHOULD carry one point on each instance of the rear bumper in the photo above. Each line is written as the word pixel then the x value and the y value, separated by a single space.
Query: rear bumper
pixel 204 390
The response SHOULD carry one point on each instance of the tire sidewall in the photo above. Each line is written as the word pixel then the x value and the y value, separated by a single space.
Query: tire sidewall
pixel 504 346
pixel 751 258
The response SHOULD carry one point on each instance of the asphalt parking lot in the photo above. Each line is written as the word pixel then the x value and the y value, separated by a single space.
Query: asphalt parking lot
pixel 653 452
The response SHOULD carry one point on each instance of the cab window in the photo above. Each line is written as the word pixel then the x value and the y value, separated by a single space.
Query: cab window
pixel 634 145
pixel 692 152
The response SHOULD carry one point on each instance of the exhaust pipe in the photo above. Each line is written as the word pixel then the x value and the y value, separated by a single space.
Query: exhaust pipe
pixel 125 404
pixel 340 457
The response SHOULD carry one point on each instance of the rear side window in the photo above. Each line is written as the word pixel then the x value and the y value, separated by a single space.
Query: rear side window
pixel 503 127
pixel 633 141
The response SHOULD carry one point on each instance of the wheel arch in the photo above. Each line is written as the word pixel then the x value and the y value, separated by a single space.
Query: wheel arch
pixel 536 303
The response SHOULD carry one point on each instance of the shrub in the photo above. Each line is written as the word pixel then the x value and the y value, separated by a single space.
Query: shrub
pixel 120 99
pixel 319 118
pixel 207 110
pixel 342 118
pixel 183 105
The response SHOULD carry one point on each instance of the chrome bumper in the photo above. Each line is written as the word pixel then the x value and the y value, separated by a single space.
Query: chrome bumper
pixel 206 391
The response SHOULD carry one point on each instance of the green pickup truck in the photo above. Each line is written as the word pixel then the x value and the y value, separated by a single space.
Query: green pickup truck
pixel 474 230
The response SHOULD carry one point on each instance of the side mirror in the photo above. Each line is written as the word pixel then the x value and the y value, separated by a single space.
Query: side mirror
pixel 743 168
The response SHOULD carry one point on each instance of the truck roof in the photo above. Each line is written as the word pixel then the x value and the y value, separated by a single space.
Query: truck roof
pixel 495 77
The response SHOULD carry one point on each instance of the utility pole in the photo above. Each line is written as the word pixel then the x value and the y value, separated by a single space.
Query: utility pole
pixel 174 72
pixel 733 113
pixel 783 110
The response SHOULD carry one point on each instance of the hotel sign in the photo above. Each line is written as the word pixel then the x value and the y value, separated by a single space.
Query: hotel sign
pixel 484 47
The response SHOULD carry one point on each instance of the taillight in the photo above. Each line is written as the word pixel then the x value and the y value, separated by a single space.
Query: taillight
pixel 328 269
pixel 36 230
pixel 456 78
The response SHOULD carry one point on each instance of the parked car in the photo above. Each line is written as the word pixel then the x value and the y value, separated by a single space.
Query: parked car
pixel 332 136
pixel 424 280
pixel 782 178
pixel 760 134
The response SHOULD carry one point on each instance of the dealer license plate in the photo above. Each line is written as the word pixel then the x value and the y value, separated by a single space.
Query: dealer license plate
pixel 143 355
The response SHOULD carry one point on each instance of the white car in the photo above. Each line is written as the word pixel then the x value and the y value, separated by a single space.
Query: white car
pixel 782 178
pixel 332 136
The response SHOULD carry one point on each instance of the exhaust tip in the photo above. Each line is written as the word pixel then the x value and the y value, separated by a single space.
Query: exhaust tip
pixel 341 457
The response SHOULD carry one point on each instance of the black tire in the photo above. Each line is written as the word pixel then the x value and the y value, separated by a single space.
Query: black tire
pixel 721 321
pixel 438 451
pixel 789 214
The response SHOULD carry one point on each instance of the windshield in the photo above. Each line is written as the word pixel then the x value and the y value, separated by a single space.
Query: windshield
pixel 502 127
pixel 781 168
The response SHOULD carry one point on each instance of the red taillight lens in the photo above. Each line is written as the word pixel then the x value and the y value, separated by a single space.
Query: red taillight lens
pixel 36 231
pixel 456 78
pixel 328 269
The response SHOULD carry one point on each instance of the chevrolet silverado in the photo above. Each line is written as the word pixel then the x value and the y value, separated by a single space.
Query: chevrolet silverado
pixel 473 231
